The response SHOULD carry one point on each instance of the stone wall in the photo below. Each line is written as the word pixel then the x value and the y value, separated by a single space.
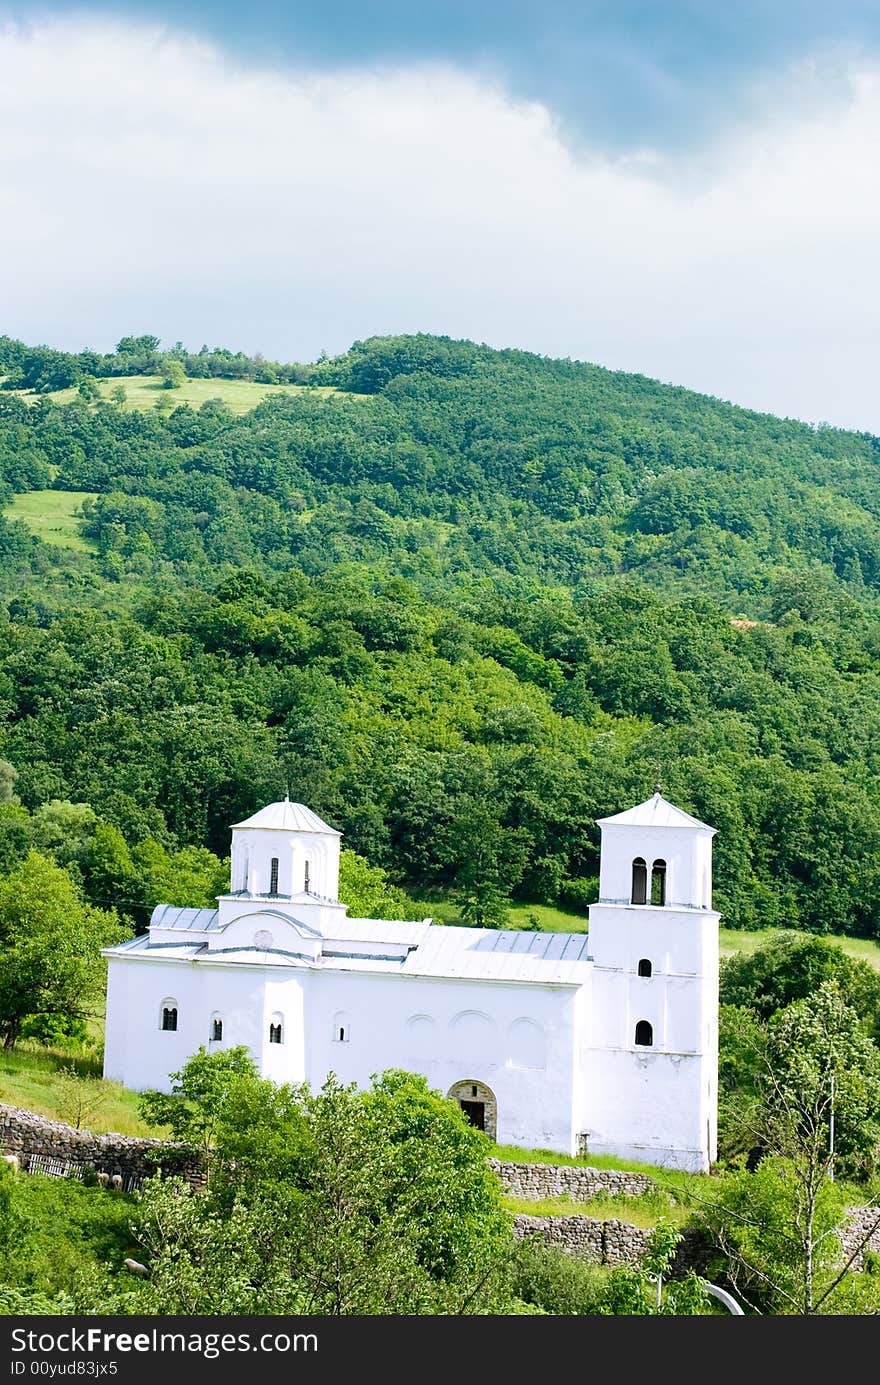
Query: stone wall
pixel 861 1219
pixel 35 1137
pixel 539 1181
pixel 609 1242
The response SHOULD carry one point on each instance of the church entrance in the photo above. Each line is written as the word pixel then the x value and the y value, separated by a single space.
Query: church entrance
pixel 475 1112
pixel 478 1103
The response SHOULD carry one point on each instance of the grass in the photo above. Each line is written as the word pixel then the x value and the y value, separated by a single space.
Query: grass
pixel 52 516
pixel 442 909
pixel 146 391
pixel 645 1211
pixel 734 940
pixel 33 1077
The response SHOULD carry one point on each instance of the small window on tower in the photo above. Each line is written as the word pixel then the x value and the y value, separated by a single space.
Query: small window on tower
pixel 658 883
pixel 639 881
pixel 275 1033
pixel 273 876
pixel 306 885
pixel 645 967
pixel 644 1034
pixel 216 1030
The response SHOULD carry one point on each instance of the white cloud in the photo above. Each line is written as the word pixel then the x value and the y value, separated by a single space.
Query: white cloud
pixel 147 184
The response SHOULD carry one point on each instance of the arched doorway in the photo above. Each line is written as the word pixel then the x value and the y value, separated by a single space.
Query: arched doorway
pixel 478 1103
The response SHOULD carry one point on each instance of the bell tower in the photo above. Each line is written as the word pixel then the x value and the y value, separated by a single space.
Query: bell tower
pixel 653 1048
pixel 285 859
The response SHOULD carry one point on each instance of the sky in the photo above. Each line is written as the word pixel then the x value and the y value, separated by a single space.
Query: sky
pixel 688 189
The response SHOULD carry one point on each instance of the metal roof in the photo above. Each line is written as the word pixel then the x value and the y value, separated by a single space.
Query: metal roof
pixel 501 955
pixel 185 920
pixel 375 930
pixel 507 955
pixel 654 812
pixel 288 817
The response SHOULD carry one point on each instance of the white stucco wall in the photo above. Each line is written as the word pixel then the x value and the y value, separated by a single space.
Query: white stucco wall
pixel 519 1040
pixel 687 852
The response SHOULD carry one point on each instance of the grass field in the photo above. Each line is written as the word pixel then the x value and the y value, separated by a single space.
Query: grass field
pixel 33 1077
pixel 146 391
pixel 52 516
pixel 643 1211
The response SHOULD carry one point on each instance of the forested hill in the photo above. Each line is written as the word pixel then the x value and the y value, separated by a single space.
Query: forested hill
pixel 439 457
pixel 462 602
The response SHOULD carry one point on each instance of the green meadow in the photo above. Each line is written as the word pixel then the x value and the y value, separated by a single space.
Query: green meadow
pixel 52 516
pixel 148 391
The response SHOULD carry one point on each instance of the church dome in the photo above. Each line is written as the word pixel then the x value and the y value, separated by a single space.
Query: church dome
pixel 287 817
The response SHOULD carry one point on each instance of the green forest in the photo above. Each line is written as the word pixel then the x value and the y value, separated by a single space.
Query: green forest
pixel 462 604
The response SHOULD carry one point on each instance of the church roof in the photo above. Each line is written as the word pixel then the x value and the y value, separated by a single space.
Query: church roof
pixel 185 920
pixel 654 812
pixel 405 949
pixel 503 954
pixel 288 817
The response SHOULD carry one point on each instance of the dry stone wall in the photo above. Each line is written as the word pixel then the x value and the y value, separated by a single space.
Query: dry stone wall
pixel 539 1181
pixel 608 1242
pixel 39 1142
pixel 861 1221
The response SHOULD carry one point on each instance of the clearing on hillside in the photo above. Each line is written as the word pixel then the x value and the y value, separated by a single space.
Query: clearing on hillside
pixel 146 391
pixel 53 516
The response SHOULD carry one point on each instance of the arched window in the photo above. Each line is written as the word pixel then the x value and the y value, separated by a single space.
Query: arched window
pixel 276 1030
pixel 644 1034
pixel 640 881
pixel 168 1015
pixel 658 882
pixel 216 1029
pixel 273 876
pixel 341 1027
pixel 645 967
pixel 306 885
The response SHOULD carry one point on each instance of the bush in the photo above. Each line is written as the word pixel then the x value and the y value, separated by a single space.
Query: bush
pixel 554 1281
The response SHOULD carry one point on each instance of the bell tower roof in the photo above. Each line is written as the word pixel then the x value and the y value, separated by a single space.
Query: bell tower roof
pixel 655 812
pixel 287 817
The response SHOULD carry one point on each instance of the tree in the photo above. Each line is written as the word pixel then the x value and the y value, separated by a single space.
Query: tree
pixel 50 942
pixel 137 346
pixel 335 1201
pixel 88 389
pixel 791 966
pixel 779 1230
pixel 195 1109
pixel 645 1289
pixel 369 893
pixel 780 1227
pixel 173 375
pixel 788 1076
pixel 79 1097
pixel 8 776
pixel 118 395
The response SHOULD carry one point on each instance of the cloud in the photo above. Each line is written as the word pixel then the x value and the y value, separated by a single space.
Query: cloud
pixel 148 184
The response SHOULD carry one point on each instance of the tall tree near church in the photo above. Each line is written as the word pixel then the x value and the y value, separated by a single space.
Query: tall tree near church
pixel 50 947
pixel 813 1111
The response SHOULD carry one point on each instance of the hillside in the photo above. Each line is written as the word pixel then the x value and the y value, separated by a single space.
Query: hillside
pixel 462 602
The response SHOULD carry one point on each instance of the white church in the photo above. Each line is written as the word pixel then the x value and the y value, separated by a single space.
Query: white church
pixel 605 1042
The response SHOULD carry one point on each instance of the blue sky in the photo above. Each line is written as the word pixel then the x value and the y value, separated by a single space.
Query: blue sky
pixel 685 189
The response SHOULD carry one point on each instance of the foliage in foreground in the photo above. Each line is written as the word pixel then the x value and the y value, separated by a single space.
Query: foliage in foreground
pixel 334 1201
